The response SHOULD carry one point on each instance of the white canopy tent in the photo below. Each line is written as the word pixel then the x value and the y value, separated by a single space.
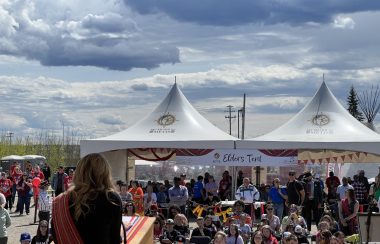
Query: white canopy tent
pixel 173 124
pixel 322 124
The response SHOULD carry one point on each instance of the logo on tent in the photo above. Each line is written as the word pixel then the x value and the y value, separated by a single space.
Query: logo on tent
pixel 166 119
pixel 320 119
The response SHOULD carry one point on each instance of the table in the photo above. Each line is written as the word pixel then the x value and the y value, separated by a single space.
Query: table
pixel 140 229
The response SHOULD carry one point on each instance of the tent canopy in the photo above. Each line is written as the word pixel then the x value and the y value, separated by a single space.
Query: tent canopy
pixel 173 124
pixel 322 124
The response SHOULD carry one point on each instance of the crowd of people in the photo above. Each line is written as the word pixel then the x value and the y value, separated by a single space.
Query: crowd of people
pixel 88 208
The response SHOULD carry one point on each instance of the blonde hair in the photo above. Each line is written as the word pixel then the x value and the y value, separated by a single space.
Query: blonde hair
pixel 181 218
pixel 92 176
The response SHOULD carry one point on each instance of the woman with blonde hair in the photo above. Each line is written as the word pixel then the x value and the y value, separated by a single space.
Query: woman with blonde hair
pixel 91 210
pixel 5 220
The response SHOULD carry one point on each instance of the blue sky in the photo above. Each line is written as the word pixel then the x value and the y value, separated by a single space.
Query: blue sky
pixel 101 66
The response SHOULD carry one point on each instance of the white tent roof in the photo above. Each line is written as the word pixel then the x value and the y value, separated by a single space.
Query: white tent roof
pixel 322 124
pixel 173 124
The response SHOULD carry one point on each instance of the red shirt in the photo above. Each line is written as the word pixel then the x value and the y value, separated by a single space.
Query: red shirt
pixel 16 177
pixel 67 181
pixel 39 174
pixel 332 182
pixel 5 187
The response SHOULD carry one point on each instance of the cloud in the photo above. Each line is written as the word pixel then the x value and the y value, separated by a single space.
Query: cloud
pixel 342 22
pixel 225 12
pixel 110 40
pixel 110 120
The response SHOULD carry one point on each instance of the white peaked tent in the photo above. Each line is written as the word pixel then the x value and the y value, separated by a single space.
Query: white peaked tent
pixel 173 124
pixel 322 124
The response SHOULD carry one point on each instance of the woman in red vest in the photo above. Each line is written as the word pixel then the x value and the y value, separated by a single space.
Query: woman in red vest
pixel 91 210
pixel 138 197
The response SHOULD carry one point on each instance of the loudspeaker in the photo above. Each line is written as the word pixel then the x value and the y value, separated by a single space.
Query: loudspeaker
pixel 374 233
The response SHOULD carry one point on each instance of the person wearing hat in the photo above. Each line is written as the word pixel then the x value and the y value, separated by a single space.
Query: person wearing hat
pixel 44 201
pixel 299 232
pixel 25 238
pixel 201 230
pixel 68 179
pixel 170 234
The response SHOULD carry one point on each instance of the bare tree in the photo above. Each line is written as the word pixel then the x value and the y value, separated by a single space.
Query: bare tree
pixel 370 105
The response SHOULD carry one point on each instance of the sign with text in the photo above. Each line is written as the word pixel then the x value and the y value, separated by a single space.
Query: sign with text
pixel 230 157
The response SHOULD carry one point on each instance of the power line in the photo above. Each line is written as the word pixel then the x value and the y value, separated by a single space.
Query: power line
pixel 229 116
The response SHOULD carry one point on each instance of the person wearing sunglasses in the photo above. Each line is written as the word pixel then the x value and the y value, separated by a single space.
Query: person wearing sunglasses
pixel 274 221
pixel 42 236
pixel 293 218
pixel 278 195
pixel 295 189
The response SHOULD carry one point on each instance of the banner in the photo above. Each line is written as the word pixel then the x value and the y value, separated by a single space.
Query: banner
pixel 230 157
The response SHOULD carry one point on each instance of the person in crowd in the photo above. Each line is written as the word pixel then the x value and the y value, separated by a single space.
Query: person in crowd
pixel 348 209
pixel 363 179
pixel 301 237
pixel 374 192
pixel 38 173
pixel 25 238
pixel 173 211
pixel 125 195
pixel 257 237
pixel 58 182
pixel 189 189
pixel 268 236
pixel 182 179
pixel 6 189
pixel 69 179
pixel 233 235
pixel 291 239
pixel 293 218
pixel 208 224
pixel 149 198
pixel 335 240
pixel 178 195
pixel 5 220
pixel 16 175
pixel 153 212
pixel 42 236
pixel 277 195
pixel 220 238
pixel 206 178
pixel 264 193
pixel 248 194
pixel 340 236
pixel 313 199
pixel 200 230
pixel 44 201
pixel 284 236
pixel 29 169
pixel 169 235
pixel 322 226
pixel 198 192
pixel 130 209
pixel 225 185
pixel 162 197
pixel 211 186
pixel 239 212
pixel 138 197
pixel 360 190
pixel 342 188
pixel 334 226
pixel 273 220
pixel 296 192
pixel 210 199
pixel 332 182
pixel 245 229
pixel 158 228
pixel 181 224
pixel 46 171
pixel 91 210
pixel 24 195
pixel 240 178
pixel 325 237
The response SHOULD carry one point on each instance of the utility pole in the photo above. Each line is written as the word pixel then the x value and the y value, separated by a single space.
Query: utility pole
pixel 229 116
pixel 243 119
pixel 238 125
pixel 10 135
pixel 63 138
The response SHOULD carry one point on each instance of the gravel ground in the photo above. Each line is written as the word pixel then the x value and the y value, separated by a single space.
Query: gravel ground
pixel 21 224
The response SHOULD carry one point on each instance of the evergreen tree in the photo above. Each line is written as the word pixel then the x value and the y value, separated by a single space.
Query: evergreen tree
pixel 353 104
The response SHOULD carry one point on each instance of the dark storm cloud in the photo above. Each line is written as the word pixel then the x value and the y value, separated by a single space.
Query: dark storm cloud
pixel 227 12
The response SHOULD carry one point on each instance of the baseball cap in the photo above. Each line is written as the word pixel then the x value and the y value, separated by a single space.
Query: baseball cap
pixel 298 229
pixel 286 234
pixel 183 175
pixel 170 221
pixel 317 176
pixel 25 237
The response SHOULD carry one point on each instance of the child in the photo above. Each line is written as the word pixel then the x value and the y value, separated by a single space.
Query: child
pixel 245 229
pixel 25 238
